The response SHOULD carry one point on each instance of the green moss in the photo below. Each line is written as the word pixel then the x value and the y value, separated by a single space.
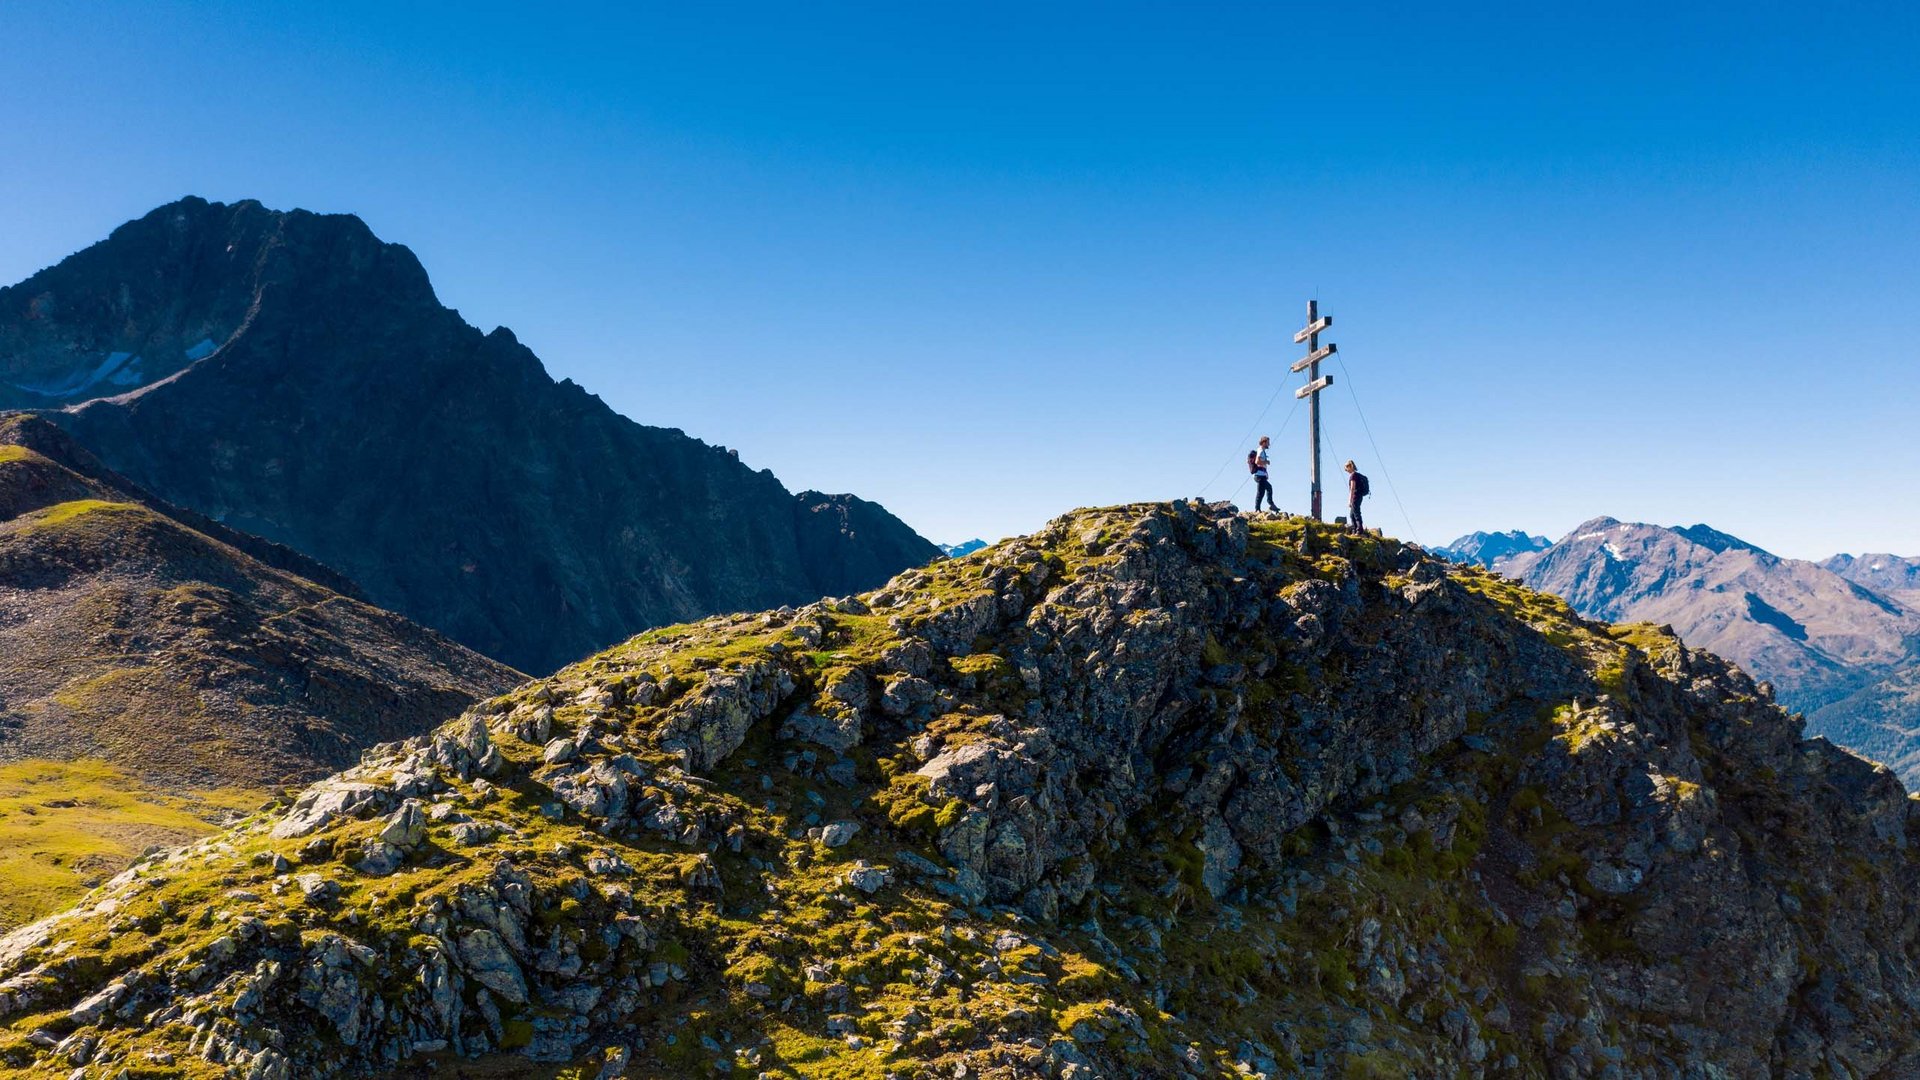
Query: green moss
pixel 1213 654
pixel 516 1034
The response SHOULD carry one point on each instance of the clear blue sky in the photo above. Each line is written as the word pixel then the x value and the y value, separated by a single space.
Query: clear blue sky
pixel 986 262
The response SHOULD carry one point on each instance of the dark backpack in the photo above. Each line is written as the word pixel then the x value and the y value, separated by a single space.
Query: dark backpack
pixel 1253 462
pixel 1361 488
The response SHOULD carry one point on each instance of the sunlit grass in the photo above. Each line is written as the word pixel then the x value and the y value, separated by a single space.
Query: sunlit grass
pixel 66 826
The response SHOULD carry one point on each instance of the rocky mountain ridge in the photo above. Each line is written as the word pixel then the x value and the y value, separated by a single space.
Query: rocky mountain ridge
pixel 1159 791
pixel 298 379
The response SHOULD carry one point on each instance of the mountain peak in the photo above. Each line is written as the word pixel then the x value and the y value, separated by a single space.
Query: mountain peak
pixel 1592 526
pixel 294 376
pixel 171 288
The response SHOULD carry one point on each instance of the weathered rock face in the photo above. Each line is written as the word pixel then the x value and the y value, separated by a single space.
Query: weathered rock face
pixel 317 393
pixel 1152 793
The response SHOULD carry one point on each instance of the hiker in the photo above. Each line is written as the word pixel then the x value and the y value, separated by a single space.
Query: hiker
pixel 1357 489
pixel 1257 462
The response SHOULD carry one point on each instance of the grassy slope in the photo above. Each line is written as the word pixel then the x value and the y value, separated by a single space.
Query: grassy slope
pixel 67 826
pixel 143 678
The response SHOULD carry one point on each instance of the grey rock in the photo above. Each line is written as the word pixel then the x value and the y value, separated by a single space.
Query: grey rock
pixel 486 958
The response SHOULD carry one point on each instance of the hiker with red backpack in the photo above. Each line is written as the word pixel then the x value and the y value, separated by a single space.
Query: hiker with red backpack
pixel 1257 462
pixel 1357 489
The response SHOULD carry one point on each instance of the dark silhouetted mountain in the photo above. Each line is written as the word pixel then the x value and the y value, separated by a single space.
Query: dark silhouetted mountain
pixel 181 651
pixel 298 379
pixel 1489 549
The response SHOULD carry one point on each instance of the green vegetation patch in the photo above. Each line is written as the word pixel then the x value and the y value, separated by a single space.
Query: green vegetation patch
pixel 69 514
pixel 66 826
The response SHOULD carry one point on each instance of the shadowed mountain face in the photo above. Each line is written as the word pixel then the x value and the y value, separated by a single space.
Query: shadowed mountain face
pixel 144 636
pixel 342 411
pixel 1156 792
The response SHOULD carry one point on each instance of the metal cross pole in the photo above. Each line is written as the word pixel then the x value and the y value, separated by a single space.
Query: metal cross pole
pixel 1316 382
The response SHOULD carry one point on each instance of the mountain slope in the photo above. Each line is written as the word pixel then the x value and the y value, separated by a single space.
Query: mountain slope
pixel 1151 793
pixel 130 635
pixel 344 412
pixel 159 671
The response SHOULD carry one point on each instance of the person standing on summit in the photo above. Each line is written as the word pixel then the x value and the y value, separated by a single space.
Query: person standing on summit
pixel 1357 489
pixel 1257 462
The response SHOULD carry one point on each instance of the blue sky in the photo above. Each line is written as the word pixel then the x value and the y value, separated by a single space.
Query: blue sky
pixel 987 262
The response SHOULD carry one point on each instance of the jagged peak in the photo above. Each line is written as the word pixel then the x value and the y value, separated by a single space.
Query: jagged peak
pixel 1591 527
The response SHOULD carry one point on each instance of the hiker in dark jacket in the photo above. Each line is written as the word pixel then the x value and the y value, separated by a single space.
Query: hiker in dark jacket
pixel 1257 462
pixel 1357 489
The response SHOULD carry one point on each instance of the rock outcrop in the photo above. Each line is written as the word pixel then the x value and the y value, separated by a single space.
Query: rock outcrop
pixel 294 377
pixel 1159 791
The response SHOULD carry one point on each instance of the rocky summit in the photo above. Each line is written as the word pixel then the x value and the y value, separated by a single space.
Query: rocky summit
pixel 291 375
pixel 1160 791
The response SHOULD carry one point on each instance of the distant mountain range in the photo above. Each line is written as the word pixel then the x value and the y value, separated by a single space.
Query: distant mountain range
pixel 1889 575
pixel 294 377
pixel 1839 639
pixel 1486 549
pixel 964 547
